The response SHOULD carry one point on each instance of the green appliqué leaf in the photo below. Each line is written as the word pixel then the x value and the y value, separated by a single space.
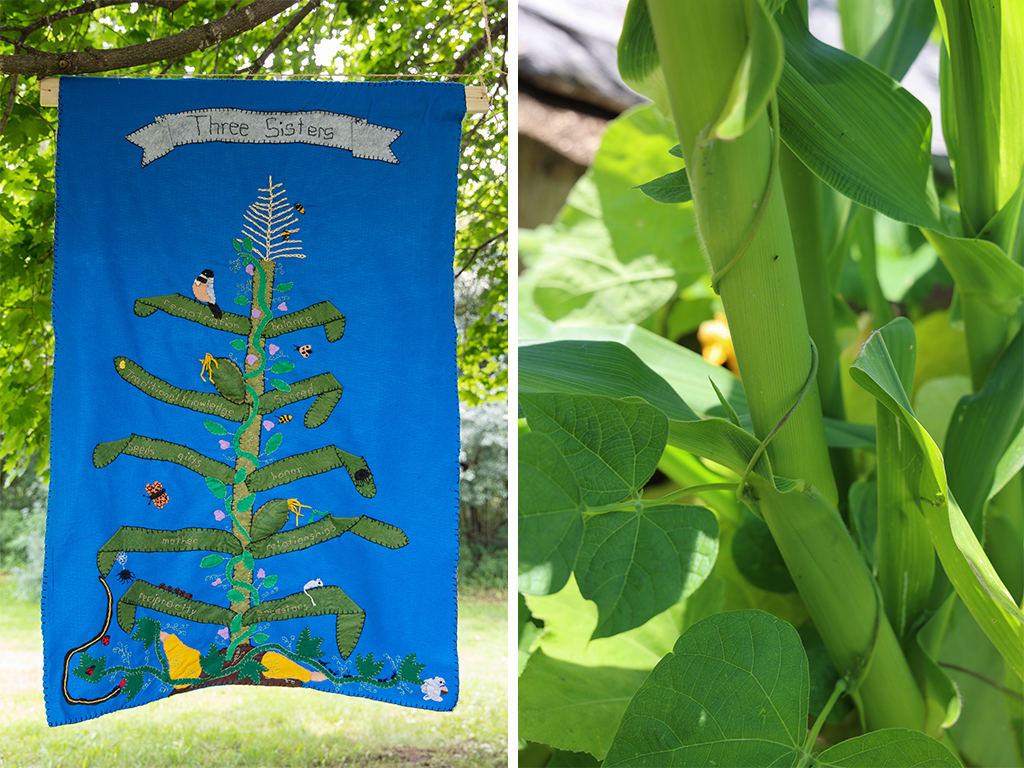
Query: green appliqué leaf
pixel 282 385
pixel 307 645
pixel 241 301
pixel 259 638
pixel 274 442
pixel 237 245
pixel 270 581
pixel 284 287
pixel 213 662
pixel 247 560
pixel 211 561
pixel 238 344
pixel 367 667
pixel 90 669
pixel 282 366
pixel 132 684
pixel 217 488
pixel 240 475
pixel 236 623
pixel 245 504
pixel 147 631
pixel 235 596
pixel 409 671
pixel 214 428
pixel 250 669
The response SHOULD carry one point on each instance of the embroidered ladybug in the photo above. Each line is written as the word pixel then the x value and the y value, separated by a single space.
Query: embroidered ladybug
pixel 157 494
pixel 89 670
pixel 105 639
pixel 125 576
pixel 305 350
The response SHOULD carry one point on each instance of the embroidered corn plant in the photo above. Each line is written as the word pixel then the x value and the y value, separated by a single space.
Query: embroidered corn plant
pixel 245 394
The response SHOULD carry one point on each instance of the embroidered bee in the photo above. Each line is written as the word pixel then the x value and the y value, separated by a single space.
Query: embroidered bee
pixel 125 576
pixel 157 494
pixel 286 234
pixel 305 350
pixel 299 208
pixel 284 419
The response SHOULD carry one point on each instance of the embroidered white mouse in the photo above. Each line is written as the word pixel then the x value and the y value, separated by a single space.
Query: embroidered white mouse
pixel 310 585
pixel 433 688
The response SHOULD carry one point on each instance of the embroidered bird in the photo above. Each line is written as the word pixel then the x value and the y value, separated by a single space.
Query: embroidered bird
pixel 202 287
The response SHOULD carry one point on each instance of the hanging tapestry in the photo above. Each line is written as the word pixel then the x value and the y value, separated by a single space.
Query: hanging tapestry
pixel 231 258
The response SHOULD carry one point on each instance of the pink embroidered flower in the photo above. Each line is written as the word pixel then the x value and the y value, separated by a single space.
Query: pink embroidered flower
pixel 224 632
pixel 217 582
pixel 283 307
pixel 261 574
pixel 257 314
pixel 268 425
pixel 273 349
pixel 218 514
pixel 249 269
pixel 251 359
pixel 224 444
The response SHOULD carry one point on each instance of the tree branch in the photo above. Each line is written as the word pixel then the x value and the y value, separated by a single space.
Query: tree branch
pixel 500 29
pixel 11 96
pixel 288 28
pixel 479 248
pixel 194 39
pixel 89 7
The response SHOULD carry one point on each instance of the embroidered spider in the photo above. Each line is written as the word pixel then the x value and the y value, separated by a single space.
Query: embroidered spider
pixel 125 576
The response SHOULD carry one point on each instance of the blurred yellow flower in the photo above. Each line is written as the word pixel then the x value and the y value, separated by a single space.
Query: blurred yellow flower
pixel 716 342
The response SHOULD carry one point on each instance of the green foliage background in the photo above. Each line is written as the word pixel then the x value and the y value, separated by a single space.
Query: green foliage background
pixel 401 40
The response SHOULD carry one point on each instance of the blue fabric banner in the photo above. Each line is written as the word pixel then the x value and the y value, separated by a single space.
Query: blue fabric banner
pixel 231 258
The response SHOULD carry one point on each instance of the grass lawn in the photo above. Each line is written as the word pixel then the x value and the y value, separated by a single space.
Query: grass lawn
pixel 248 726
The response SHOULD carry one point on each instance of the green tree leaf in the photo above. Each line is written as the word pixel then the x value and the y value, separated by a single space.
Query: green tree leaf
pixel 238 344
pixel 217 488
pixel 235 596
pixel 274 442
pixel 281 385
pixel 636 564
pixel 282 366
pixel 284 287
pixel 211 561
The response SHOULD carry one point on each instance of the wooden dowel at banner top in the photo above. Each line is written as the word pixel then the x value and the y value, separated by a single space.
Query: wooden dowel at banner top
pixel 48 89
pixel 476 96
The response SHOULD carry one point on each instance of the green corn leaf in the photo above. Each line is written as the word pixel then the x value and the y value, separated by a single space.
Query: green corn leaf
pixel 729 410
pixel 612 446
pixel 636 564
pixel 550 526
pixel 241 301
pixel 238 344
pixel 281 385
pixel 282 366
pixel 274 442
pixel 330 601
pixel 962 557
pixel 214 428
pixel 856 129
pixel 889 34
pixel 217 488
pixel 752 662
